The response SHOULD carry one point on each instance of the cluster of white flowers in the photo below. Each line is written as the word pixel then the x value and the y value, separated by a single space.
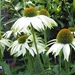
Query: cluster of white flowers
pixel 24 24
pixel 38 22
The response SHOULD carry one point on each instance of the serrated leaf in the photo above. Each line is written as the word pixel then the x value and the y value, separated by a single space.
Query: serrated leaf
pixel 6 68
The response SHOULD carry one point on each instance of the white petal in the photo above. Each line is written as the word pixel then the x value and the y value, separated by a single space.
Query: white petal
pixel 7 34
pixel 36 23
pixel 26 45
pixel 20 23
pixel 33 48
pixel 48 22
pixel 15 49
pixel 31 52
pixel 5 42
pixel 55 49
pixel 23 51
pixel 66 51
pixel 40 48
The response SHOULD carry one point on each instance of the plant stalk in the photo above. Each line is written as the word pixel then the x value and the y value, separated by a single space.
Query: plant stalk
pixel 30 62
pixel 40 63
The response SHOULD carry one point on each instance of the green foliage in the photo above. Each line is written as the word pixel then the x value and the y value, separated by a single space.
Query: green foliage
pixel 62 11
pixel 5 68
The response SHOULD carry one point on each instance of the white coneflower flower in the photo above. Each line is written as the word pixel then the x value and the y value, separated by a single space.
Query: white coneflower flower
pixel 31 18
pixel 24 43
pixel 62 42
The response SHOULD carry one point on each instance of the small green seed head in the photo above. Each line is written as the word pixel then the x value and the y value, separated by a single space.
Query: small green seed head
pixel 72 29
pixel 44 12
pixel 64 36
pixel 30 12
pixel 22 39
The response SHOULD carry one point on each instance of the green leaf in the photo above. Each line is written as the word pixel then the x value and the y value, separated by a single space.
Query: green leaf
pixel 62 25
pixel 56 69
pixel 63 73
pixel 6 68
pixel 73 70
pixel 20 73
pixel 27 72
pixel 10 21
pixel 37 66
pixel 74 4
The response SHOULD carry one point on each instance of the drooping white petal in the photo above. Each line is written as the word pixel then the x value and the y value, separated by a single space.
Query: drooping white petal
pixel 5 42
pixel 33 48
pixel 18 49
pixel 15 49
pixel 59 48
pixel 55 48
pixel 31 52
pixel 26 45
pixel 48 22
pixel 66 51
pixel 2 45
pixel 20 23
pixel 23 50
pixel 36 23
pixel 7 34
pixel 40 48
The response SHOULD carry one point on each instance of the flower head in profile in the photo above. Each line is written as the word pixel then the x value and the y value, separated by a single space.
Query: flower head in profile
pixel 44 12
pixel 62 42
pixel 3 43
pixel 23 44
pixel 31 17
pixel 72 29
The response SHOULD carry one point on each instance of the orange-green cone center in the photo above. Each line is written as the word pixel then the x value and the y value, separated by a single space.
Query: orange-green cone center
pixel 30 12
pixel 22 39
pixel 64 36
pixel 72 29
pixel 44 12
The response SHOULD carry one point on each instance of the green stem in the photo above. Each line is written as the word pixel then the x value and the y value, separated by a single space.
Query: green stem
pixel 60 61
pixel 45 39
pixel 40 63
pixel 30 62
pixel 1 58
pixel 15 9
pixel 24 3
pixel 67 66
